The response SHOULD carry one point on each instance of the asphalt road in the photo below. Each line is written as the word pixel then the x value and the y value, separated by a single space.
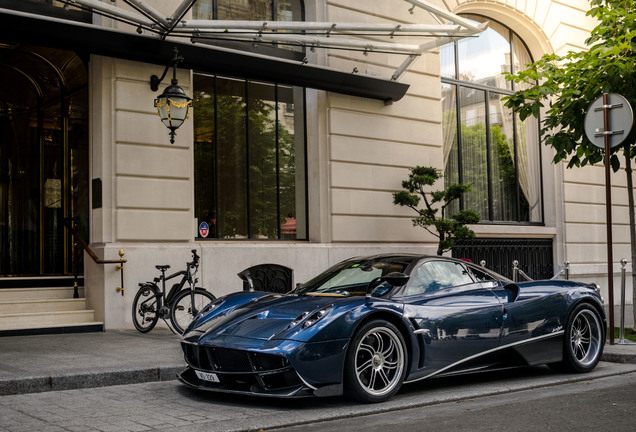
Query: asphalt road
pixel 604 404
pixel 515 400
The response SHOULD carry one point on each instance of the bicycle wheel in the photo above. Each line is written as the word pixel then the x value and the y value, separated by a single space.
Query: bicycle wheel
pixel 144 310
pixel 182 311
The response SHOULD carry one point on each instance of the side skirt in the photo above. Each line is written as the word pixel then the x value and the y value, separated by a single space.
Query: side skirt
pixel 528 354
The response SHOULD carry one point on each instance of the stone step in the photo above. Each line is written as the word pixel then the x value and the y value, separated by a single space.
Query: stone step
pixel 45 310
pixel 16 294
pixel 44 305
pixel 54 329
pixel 31 320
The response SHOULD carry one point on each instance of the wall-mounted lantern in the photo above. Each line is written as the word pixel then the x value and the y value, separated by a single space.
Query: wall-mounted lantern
pixel 173 104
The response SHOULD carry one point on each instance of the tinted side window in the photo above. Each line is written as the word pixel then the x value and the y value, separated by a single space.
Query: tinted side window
pixel 481 275
pixel 435 275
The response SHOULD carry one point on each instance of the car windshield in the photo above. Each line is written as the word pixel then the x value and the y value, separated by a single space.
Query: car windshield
pixel 352 277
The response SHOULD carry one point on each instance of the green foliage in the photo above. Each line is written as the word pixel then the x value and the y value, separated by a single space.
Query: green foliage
pixel 568 84
pixel 446 230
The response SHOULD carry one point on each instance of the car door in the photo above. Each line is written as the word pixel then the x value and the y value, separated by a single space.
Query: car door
pixel 454 316
pixel 532 317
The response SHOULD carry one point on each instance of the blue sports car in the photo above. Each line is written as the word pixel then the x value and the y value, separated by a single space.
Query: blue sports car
pixel 367 325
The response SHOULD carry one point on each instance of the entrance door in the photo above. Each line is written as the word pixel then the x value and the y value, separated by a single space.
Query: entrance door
pixel 43 158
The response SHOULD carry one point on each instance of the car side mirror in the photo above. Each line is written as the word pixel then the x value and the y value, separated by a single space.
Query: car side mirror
pixel 395 278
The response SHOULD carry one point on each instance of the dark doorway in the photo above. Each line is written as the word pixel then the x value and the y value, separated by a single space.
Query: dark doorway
pixel 43 158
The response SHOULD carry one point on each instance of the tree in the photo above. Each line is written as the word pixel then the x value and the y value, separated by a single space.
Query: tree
pixel 446 230
pixel 572 82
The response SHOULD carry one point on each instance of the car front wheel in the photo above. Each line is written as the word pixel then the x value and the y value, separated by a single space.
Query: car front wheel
pixel 376 362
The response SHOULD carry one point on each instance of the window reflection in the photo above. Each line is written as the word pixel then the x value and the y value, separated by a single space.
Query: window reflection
pixel 245 10
pixel 249 159
pixel 474 149
pixel 251 10
pixel 483 59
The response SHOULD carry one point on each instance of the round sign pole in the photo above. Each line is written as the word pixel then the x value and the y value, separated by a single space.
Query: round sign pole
pixel 617 117
pixel 608 212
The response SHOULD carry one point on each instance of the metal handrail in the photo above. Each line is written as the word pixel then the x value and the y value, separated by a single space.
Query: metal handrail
pixel 70 225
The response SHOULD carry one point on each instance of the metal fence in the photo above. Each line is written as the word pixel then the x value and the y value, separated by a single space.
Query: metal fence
pixel 534 255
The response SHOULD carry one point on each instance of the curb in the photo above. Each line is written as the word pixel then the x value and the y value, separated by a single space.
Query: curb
pixel 614 357
pixel 14 386
pixel 80 380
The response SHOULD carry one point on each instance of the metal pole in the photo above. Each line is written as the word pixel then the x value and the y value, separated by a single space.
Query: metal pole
pixel 621 338
pixel 608 207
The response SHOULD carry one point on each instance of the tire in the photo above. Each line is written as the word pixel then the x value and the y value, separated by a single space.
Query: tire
pixel 375 366
pixel 181 311
pixel 145 312
pixel 583 341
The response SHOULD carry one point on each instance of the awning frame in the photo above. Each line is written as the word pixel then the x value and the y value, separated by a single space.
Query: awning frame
pixel 312 35
pixel 220 46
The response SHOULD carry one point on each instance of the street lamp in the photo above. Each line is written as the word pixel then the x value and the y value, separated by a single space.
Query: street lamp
pixel 173 104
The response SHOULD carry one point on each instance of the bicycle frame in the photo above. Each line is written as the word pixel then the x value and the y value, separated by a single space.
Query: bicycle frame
pixel 166 299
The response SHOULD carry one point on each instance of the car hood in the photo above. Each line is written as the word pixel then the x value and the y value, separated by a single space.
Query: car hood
pixel 266 317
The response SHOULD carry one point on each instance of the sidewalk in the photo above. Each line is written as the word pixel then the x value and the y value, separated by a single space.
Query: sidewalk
pixel 32 364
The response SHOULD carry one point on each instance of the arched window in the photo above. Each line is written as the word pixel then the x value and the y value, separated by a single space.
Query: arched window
pixel 249 142
pixel 485 143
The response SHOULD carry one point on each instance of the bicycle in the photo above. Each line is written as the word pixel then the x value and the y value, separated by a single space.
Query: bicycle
pixel 181 304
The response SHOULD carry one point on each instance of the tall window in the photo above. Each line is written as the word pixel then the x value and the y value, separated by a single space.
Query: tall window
pixel 249 142
pixel 485 143
pixel 249 159
pixel 271 10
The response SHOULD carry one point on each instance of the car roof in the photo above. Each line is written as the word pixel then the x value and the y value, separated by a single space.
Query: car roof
pixel 412 258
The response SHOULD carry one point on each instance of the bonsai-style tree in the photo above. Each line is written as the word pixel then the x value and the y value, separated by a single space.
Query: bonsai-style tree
pixel 447 230
pixel 565 86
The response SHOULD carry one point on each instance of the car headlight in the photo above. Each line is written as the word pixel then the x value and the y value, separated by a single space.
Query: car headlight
pixel 316 316
pixel 310 317
pixel 211 306
pixel 299 318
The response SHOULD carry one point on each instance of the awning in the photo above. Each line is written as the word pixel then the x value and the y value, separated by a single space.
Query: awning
pixel 87 38
pixel 222 47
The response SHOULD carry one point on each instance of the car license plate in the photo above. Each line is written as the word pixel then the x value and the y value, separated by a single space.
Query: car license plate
pixel 207 376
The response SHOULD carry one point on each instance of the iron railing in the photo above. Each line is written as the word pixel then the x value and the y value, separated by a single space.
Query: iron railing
pixel 533 255
pixel 71 224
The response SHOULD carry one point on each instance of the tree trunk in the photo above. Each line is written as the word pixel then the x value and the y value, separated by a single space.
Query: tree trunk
pixel 632 224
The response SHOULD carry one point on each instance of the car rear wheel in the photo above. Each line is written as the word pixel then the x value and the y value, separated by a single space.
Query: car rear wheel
pixel 376 362
pixel 584 338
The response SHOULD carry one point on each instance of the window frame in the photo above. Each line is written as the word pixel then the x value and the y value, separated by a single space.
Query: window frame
pixel 458 84
pixel 251 236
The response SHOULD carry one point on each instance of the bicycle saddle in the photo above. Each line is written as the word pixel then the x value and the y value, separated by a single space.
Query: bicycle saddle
pixel 162 267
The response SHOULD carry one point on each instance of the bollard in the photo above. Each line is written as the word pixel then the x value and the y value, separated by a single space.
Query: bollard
pixel 515 270
pixel 621 337
pixel 567 270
